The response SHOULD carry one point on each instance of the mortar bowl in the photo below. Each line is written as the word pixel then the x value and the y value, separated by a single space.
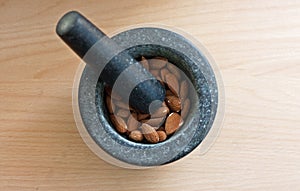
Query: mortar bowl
pixel 207 101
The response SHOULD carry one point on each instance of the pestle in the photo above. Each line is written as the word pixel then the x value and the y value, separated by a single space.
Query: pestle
pixel 104 56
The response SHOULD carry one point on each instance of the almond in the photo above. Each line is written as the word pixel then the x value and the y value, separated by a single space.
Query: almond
pixel 115 96
pixel 123 113
pixel 119 123
pixel 110 105
pixel 163 73
pixel 172 83
pixel 181 121
pixel 122 105
pixel 158 63
pixel 154 128
pixel 162 128
pixel 164 104
pixel 162 135
pixel 160 81
pixel 132 123
pixel 134 114
pixel 142 116
pixel 149 133
pixel 161 112
pixel 172 123
pixel 174 103
pixel 174 70
pixel 144 63
pixel 154 72
pixel 169 93
pixel 136 135
pixel 155 122
pixel 184 89
pixel 185 108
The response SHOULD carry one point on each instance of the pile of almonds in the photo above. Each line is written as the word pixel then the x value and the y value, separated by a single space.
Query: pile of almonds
pixel 146 128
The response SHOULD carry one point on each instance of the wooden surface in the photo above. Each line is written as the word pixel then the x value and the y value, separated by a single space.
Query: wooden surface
pixel 256 45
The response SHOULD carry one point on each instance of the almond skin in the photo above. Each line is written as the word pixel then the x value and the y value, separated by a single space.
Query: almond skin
pixel 122 105
pixel 184 90
pixel 158 63
pixel 174 103
pixel 163 73
pixel 161 112
pixel 173 83
pixel 162 128
pixel 136 135
pixel 162 135
pixel 142 116
pixel 181 122
pixel 172 123
pixel 164 104
pixel 160 81
pixel 174 70
pixel 132 123
pixel 155 122
pixel 185 108
pixel 123 113
pixel 110 105
pixel 169 93
pixel 149 133
pixel 144 63
pixel 119 123
pixel 115 96
pixel 155 72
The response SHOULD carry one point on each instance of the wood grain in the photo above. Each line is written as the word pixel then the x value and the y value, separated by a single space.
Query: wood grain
pixel 256 45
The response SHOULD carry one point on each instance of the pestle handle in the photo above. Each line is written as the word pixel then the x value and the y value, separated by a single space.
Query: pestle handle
pixel 78 33
pixel 84 38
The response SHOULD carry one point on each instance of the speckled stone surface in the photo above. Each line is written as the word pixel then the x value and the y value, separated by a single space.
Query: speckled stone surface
pixel 178 50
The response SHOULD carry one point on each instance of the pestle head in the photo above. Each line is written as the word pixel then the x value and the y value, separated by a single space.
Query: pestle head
pixel 117 69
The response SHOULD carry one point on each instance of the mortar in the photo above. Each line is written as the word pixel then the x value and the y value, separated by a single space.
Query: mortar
pixel 92 117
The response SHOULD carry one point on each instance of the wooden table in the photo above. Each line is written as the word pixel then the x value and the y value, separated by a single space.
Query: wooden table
pixel 256 45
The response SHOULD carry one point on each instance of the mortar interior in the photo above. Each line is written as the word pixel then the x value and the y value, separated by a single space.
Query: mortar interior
pixel 174 57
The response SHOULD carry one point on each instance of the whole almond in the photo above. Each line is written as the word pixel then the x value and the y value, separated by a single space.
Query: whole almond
pixel 184 89
pixel 185 108
pixel 172 123
pixel 123 113
pixel 119 123
pixel 162 135
pixel 174 70
pixel 132 123
pixel 174 103
pixel 161 112
pixel 142 116
pixel 149 133
pixel 158 63
pixel 144 63
pixel 136 135
pixel 110 105
pixel 172 83
pixel 114 95
pixel 155 122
